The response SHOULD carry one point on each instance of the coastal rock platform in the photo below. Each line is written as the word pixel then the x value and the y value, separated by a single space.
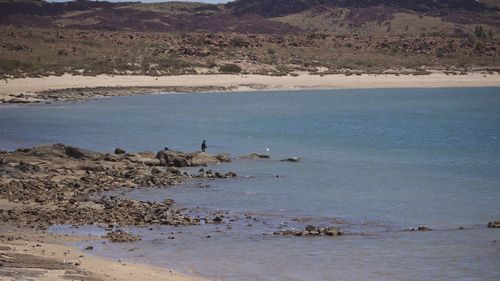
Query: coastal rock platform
pixel 60 184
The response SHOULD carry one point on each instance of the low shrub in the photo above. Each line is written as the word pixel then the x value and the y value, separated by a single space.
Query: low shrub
pixel 230 68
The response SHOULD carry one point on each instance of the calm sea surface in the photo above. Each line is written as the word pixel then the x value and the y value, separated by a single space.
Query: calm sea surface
pixel 374 162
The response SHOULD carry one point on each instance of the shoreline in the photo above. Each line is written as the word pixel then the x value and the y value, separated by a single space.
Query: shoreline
pixel 61 181
pixel 78 88
pixel 107 268
pixel 44 256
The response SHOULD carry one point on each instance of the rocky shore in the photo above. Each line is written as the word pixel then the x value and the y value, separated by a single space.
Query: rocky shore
pixel 87 93
pixel 59 184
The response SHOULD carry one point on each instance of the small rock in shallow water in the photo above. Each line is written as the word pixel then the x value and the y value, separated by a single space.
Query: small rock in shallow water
pixel 311 230
pixel 494 224
pixel 255 156
pixel 217 219
pixel 121 236
pixel 424 228
pixel 291 159
pixel 420 228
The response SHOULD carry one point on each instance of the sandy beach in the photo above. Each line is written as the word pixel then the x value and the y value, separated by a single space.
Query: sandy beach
pixel 26 88
pixel 26 254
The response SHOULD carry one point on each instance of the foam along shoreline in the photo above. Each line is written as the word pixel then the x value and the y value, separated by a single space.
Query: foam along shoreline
pixel 27 90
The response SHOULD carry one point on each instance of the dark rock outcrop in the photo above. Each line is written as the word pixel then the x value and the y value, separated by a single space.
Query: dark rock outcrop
pixel 120 151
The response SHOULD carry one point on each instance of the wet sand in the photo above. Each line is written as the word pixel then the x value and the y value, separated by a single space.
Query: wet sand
pixel 26 254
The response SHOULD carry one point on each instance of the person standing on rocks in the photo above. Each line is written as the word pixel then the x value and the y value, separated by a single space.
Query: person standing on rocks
pixel 203 146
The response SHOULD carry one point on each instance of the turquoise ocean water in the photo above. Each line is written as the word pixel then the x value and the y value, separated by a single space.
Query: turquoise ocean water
pixel 374 162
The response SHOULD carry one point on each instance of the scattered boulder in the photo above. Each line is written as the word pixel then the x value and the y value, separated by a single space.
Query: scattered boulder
pixel 120 151
pixel 494 224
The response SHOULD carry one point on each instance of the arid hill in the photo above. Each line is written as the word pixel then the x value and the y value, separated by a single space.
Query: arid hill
pixel 251 16
pixel 285 7
pixel 276 37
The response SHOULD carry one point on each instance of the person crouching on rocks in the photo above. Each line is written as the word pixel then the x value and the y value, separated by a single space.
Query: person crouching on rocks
pixel 203 146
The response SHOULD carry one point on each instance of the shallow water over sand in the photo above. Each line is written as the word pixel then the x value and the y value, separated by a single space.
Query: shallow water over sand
pixel 374 162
